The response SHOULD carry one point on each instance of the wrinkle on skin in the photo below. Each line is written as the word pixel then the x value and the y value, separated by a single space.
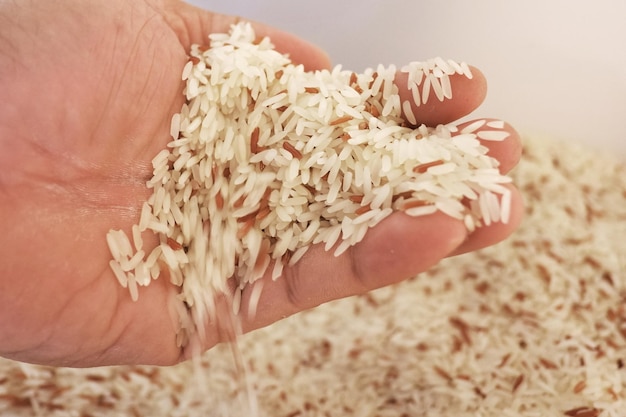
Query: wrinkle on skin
pixel 66 182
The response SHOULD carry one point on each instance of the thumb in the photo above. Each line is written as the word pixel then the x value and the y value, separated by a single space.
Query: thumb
pixel 398 248
pixel 193 25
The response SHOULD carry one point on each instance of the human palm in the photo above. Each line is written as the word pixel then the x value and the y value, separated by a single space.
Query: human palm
pixel 88 89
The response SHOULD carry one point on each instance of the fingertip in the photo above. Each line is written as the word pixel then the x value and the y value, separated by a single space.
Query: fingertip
pixel 500 137
pixel 508 151
pixel 193 25
pixel 468 92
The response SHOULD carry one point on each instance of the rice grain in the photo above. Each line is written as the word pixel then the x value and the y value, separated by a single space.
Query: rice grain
pixel 267 159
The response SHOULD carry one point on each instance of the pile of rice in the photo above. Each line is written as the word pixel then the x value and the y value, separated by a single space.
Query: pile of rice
pixel 267 159
pixel 535 326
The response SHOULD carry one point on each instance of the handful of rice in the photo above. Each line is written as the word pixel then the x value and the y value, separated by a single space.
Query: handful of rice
pixel 267 159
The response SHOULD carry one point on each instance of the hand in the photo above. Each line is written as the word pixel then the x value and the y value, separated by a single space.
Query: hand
pixel 88 90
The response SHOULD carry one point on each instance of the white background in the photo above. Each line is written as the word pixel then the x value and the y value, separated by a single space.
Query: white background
pixel 555 68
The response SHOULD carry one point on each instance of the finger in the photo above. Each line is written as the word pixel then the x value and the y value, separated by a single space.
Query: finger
pixel 193 26
pixel 399 247
pixel 467 95
pixel 314 280
pixel 501 138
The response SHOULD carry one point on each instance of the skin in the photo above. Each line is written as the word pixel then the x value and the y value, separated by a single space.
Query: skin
pixel 88 89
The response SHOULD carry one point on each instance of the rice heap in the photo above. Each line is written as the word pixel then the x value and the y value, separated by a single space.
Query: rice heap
pixel 267 159
pixel 534 326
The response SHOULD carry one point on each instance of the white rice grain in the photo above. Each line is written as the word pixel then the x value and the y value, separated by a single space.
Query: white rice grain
pixel 408 112
pixel 474 126
pixel 267 159
pixel 121 276
pixel 494 135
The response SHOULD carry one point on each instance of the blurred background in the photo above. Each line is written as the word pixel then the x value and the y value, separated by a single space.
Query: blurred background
pixel 555 68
